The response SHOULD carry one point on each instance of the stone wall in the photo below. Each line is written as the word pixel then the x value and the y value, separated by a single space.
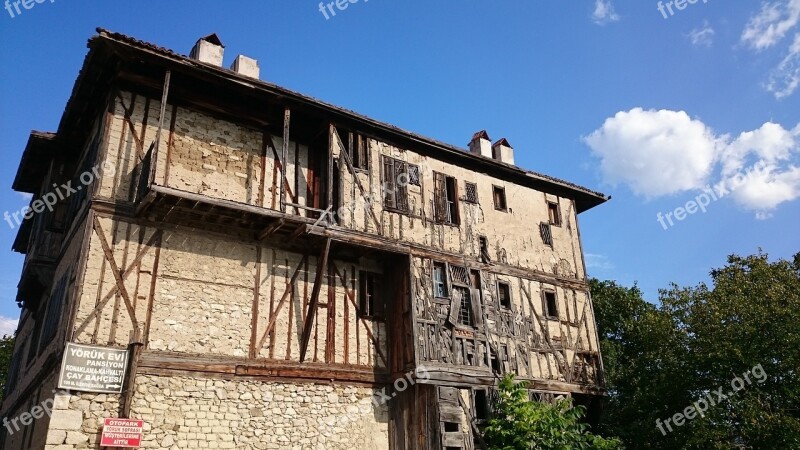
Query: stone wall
pixel 182 413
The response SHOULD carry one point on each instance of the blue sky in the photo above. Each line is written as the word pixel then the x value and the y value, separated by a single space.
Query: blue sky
pixel 608 94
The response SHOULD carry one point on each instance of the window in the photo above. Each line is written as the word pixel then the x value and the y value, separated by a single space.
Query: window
pixel 465 310
pixel 370 302
pixel 499 194
pixel 53 316
pixel 395 183
pixel 439 280
pixel 554 214
pixel 413 174
pixel 550 305
pixel 445 199
pixel 504 294
pixel 357 148
pixel 470 192
pixel 484 249
pixel 546 232
pixel 482 405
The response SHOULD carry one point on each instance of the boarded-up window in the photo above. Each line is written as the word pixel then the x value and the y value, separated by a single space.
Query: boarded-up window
pixel 554 214
pixel 470 192
pixel 550 304
pixel 547 235
pixel 445 199
pixel 395 184
pixel 370 300
pixel 499 195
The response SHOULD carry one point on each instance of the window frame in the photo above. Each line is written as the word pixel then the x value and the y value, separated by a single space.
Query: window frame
pixel 554 206
pixel 546 304
pixel 507 286
pixel 371 305
pixel 467 198
pixel 444 282
pixel 392 188
pixel 502 191
pixel 446 208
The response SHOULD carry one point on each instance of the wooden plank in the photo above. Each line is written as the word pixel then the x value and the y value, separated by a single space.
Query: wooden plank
pixel 287 115
pixel 330 342
pixel 322 264
pixel 256 297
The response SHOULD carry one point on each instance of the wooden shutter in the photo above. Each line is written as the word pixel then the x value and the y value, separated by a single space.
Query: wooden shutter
pixel 455 306
pixel 389 198
pixel 477 308
pixel 401 192
pixel 439 197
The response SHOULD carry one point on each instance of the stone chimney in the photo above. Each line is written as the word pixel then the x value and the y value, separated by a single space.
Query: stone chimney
pixel 503 152
pixel 246 66
pixel 209 50
pixel 481 144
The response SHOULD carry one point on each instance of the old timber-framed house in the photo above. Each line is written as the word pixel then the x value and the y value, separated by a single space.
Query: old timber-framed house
pixel 284 272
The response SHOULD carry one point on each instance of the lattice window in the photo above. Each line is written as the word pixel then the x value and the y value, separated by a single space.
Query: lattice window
pixel 547 235
pixel 470 192
pixel 460 275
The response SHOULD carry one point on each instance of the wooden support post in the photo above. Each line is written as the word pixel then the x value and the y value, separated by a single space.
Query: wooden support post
pixel 322 265
pixel 129 385
pixel 287 115
pixel 162 112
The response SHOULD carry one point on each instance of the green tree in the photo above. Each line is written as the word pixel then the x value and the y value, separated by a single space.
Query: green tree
pixel 661 359
pixel 521 424
pixel 6 352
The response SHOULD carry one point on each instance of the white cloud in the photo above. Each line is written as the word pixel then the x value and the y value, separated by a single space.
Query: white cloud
pixel 604 12
pixel 664 152
pixel 25 196
pixel 8 326
pixel 702 35
pixel 654 152
pixel 771 24
pixel 600 262
pixel 785 79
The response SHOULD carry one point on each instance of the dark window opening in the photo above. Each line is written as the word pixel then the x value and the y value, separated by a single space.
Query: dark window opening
pixel 395 184
pixel 550 305
pixel 481 405
pixel 499 194
pixel 370 302
pixel 445 199
pixel 484 249
pixel 554 214
pixel 470 192
pixel 439 280
pixel 450 427
pixel 504 294
pixel 357 148
pixel 413 174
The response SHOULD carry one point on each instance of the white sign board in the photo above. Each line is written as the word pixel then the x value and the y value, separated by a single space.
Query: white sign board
pixel 93 369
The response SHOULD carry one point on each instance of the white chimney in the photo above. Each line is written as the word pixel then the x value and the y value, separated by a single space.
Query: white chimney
pixel 481 144
pixel 209 50
pixel 246 66
pixel 503 152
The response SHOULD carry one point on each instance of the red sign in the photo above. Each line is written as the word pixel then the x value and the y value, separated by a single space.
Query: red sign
pixel 122 433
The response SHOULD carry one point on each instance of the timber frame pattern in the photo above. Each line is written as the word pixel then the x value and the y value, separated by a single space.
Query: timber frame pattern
pixel 326 287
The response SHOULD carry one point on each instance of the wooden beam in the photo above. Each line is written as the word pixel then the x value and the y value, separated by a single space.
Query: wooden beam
pixel 271 229
pixel 322 264
pixel 289 289
pixel 109 254
pixel 287 115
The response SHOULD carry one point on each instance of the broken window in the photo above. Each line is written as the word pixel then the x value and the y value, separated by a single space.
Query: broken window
pixel 413 174
pixel 504 294
pixel 554 213
pixel 357 148
pixel 395 184
pixel 470 192
pixel 547 235
pixel 550 305
pixel 499 195
pixel 439 280
pixel 370 302
pixel 445 199
pixel 484 249
pixel 465 309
